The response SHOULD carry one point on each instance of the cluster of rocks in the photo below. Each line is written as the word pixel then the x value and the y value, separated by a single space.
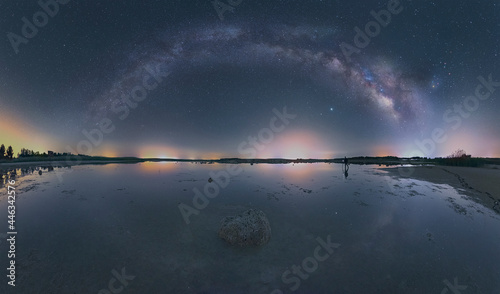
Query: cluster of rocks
pixel 251 228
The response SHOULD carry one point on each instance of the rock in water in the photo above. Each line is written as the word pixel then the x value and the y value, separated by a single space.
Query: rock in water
pixel 249 228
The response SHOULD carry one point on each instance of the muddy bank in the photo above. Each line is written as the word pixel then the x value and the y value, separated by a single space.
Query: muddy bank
pixel 480 183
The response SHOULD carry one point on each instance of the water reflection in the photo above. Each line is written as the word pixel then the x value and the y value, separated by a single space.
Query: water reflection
pixel 107 216
pixel 7 173
pixel 158 167
pixel 298 172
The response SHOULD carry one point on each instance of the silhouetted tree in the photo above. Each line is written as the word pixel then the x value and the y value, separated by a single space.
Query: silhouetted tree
pixel 26 153
pixel 459 153
pixel 2 151
pixel 10 152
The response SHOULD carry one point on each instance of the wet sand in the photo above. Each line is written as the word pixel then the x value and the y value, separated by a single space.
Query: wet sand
pixel 482 183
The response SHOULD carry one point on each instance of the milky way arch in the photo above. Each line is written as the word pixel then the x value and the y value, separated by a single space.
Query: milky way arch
pixel 375 82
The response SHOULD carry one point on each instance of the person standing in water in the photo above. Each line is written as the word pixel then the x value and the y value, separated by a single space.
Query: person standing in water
pixel 345 167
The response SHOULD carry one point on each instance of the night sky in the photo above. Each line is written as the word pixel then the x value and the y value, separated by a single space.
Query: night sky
pixel 174 79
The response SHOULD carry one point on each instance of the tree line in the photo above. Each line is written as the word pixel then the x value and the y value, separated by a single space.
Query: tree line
pixel 30 153
pixel 6 153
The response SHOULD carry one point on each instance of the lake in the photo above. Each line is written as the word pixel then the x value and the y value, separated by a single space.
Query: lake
pixel 118 228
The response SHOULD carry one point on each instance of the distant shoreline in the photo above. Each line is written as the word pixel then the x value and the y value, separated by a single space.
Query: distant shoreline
pixel 362 160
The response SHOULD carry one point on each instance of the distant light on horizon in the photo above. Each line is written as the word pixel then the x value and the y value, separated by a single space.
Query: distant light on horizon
pixel 19 134
pixel 296 144
pixel 158 151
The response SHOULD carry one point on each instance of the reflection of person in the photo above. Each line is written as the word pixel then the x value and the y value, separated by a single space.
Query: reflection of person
pixel 345 167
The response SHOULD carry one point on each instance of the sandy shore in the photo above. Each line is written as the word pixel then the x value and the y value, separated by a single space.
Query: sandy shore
pixel 482 183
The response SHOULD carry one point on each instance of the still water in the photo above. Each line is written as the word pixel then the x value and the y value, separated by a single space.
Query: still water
pixel 117 228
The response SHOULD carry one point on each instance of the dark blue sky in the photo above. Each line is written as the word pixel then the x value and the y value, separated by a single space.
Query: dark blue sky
pixel 170 78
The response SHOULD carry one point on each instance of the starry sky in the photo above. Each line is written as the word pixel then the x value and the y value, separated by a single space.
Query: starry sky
pixel 309 79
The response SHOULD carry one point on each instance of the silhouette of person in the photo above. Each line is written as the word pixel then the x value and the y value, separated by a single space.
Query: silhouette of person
pixel 345 167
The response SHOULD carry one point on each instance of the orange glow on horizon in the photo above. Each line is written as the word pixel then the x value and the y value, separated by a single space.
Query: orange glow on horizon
pixel 382 151
pixel 212 155
pixel 296 172
pixel 159 151
pixel 477 148
pixel 296 144
pixel 108 152
pixel 158 167
pixel 20 134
